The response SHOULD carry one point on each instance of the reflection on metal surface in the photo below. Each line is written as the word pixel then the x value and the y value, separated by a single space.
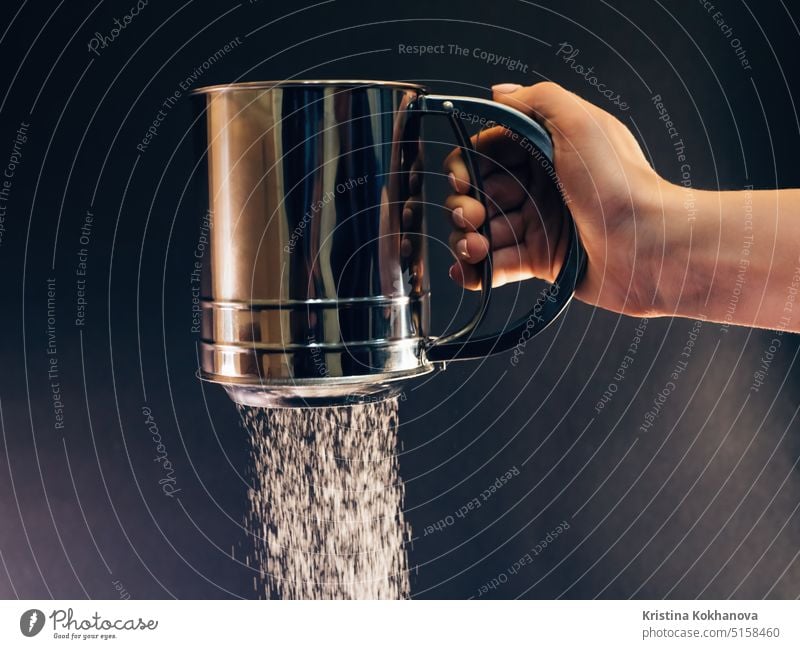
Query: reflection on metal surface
pixel 315 273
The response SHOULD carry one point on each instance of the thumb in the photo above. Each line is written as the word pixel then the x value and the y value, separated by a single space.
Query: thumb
pixel 544 101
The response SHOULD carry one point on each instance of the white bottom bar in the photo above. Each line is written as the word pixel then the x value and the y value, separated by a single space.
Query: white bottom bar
pixel 230 624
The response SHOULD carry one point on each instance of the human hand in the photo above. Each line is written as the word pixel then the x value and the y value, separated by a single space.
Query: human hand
pixel 613 193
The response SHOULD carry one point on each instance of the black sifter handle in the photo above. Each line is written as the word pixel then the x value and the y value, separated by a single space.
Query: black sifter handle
pixel 464 344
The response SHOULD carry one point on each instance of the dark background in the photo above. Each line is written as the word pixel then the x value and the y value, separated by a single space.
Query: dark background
pixel 702 505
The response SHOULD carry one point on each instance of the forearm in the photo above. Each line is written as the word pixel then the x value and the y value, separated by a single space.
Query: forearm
pixel 732 257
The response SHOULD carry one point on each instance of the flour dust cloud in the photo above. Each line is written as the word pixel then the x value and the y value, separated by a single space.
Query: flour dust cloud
pixel 326 502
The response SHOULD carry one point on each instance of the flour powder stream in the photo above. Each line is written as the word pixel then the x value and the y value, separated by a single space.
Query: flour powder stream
pixel 326 502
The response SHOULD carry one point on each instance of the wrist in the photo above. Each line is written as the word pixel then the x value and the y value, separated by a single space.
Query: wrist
pixel 681 255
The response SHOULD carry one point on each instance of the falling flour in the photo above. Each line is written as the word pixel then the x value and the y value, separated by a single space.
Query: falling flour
pixel 326 503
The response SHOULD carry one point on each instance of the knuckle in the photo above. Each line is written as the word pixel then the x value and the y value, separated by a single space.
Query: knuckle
pixel 545 87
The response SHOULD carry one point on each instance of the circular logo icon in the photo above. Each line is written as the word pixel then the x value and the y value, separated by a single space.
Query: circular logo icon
pixel 31 622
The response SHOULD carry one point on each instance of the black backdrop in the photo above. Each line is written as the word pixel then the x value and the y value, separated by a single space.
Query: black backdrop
pixel 704 503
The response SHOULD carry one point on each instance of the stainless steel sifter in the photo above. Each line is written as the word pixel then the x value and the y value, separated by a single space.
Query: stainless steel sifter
pixel 316 280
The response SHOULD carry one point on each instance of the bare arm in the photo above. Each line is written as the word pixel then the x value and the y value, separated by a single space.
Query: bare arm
pixel 740 254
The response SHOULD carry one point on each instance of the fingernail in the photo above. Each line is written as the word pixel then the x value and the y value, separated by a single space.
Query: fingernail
pixel 453 183
pixel 461 248
pixel 458 217
pixel 506 88
pixel 406 248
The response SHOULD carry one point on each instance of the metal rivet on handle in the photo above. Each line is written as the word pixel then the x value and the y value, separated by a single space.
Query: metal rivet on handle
pixel 447 105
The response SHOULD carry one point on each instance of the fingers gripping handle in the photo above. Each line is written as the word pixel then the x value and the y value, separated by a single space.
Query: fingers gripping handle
pixel 551 301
